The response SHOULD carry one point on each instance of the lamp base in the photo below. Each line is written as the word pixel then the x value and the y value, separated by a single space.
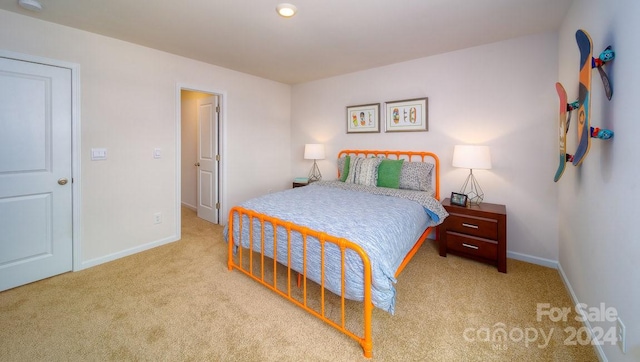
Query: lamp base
pixel 314 174
pixel 472 189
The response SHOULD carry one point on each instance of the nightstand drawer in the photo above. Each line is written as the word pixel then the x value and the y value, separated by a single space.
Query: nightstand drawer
pixel 482 248
pixel 476 226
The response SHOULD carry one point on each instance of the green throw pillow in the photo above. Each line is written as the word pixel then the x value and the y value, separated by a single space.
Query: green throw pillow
pixel 389 173
pixel 345 170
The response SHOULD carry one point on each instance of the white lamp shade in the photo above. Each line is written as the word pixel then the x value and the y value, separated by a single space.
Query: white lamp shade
pixel 472 157
pixel 314 151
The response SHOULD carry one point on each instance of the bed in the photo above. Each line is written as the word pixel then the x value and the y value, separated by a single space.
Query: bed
pixel 334 244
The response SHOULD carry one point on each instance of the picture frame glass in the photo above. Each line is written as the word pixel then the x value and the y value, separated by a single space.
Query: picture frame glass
pixel 458 199
pixel 363 118
pixel 407 115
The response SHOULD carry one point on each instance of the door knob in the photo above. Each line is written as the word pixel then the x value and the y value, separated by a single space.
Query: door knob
pixel 63 181
pixel 197 164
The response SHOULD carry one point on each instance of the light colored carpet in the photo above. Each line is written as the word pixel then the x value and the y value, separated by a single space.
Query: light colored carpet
pixel 179 302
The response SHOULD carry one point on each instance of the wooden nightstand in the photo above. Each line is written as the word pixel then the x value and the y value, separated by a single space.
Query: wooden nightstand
pixel 299 184
pixel 476 232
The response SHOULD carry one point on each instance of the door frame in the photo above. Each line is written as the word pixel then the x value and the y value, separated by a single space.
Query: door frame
pixel 222 102
pixel 76 180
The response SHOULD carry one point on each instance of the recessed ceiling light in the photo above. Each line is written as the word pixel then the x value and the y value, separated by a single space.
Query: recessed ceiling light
pixel 286 10
pixel 33 5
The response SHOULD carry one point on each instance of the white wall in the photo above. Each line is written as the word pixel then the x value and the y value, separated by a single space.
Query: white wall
pixel 501 95
pixel 598 202
pixel 129 106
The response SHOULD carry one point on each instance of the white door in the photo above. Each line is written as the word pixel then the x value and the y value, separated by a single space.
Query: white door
pixel 207 180
pixel 35 172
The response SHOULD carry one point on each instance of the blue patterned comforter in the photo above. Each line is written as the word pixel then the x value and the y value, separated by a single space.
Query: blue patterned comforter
pixel 385 222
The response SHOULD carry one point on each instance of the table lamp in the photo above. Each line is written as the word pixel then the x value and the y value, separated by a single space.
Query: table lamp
pixel 314 151
pixel 472 157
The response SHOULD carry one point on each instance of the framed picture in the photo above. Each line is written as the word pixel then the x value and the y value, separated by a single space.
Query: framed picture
pixel 458 199
pixel 407 115
pixel 364 118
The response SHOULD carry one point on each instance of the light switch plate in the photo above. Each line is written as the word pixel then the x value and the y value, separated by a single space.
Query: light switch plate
pixel 98 154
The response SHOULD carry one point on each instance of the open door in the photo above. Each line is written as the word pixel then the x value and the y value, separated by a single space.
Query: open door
pixel 208 159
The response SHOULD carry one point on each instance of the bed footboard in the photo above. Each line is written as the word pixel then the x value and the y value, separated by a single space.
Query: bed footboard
pixel 262 268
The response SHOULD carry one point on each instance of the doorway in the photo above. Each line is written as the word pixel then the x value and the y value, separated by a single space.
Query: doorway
pixel 200 152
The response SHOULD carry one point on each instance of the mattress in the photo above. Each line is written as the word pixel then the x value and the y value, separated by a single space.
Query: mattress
pixel 385 222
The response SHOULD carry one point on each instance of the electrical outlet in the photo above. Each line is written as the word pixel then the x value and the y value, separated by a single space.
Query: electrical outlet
pixel 621 334
pixel 157 218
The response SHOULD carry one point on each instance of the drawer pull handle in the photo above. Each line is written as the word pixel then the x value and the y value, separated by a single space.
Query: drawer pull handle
pixel 470 246
pixel 469 225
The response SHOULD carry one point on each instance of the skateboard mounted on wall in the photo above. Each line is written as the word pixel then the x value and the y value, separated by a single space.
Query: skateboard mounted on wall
pixel 584 97
pixel 583 104
pixel 564 119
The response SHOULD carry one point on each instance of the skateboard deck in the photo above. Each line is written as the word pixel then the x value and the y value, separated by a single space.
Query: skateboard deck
pixel 564 117
pixel 584 137
pixel 562 128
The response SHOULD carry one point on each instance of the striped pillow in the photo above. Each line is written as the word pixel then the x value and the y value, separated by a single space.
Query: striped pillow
pixel 363 171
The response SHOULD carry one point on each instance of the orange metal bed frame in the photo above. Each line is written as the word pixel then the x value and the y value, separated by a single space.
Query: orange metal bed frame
pixel 240 261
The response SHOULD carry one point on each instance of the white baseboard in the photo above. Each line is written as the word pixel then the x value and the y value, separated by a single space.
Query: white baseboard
pixel 189 206
pixel 600 352
pixel 127 252
pixel 533 259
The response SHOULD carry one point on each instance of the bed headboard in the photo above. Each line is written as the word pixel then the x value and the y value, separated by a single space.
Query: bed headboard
pixel 412 156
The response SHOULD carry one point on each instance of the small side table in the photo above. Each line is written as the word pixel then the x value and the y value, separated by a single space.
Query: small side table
pixel 476 232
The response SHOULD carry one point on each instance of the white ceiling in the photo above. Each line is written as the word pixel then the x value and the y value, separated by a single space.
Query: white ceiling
pixel 326 37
